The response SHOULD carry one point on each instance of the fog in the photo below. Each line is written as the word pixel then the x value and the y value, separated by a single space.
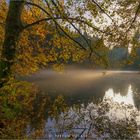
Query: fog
pixel 79 84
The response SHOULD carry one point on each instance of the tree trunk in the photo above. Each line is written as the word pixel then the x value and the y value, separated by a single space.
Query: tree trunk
pixel 13 30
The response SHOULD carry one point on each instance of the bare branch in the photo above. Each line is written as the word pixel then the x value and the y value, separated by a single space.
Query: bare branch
pixel 89 130
pixel 103 10
pixel 78 137
pixel 70 18
pixel 37 22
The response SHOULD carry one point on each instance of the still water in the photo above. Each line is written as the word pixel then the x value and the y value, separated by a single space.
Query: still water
pixel 99 103
pixel 84 85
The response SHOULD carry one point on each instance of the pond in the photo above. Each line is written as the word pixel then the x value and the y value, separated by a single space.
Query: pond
pixel 89 104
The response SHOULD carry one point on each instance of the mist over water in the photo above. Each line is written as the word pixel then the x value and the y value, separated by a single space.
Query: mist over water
pixel 78 85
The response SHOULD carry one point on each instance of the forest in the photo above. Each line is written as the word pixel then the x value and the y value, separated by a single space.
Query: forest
pixel 40 40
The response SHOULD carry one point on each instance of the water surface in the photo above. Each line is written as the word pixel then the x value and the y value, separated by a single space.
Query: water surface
pixel 84 85
pixel 88 88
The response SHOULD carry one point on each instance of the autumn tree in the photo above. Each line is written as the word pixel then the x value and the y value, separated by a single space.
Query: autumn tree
pixel 34 33
pixel 28 22
pixel 14 27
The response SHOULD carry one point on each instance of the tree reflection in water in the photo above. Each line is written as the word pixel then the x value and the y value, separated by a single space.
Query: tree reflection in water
pixel 107 119
pixel 39 116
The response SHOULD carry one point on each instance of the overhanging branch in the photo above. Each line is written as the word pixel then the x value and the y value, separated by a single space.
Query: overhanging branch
pixel 135 17
pixel 64 18
pixel 70 18
pixel 37 22
pixel 89 45
pixel 53 19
